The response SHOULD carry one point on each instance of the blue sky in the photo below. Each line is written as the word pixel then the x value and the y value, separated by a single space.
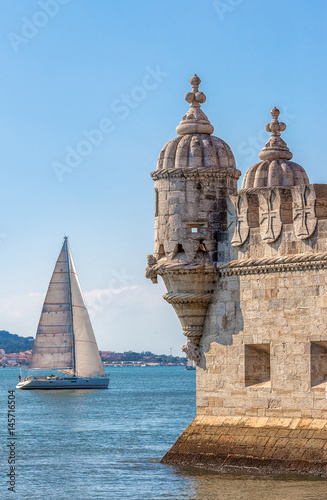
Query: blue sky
pixel 73 67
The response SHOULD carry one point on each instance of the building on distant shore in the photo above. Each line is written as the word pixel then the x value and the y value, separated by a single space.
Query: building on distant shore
pixel 245 271
pixel 15 358
pixel 109 358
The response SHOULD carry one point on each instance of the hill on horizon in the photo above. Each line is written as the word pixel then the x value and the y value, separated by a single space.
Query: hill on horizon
pixel 11 342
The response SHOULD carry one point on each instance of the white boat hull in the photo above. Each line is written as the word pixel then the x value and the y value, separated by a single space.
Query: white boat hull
pixel 63 383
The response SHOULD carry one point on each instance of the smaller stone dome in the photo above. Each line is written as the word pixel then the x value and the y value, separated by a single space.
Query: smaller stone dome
pixel 195 147
pixel 275 167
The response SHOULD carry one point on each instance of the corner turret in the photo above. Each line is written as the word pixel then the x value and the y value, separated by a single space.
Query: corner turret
pixel 195 173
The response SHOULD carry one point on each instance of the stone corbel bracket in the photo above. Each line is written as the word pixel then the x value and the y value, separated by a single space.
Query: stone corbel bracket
pixel 195 304
pixel 189 290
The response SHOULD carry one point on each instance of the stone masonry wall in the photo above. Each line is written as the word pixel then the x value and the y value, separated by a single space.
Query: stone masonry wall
pixel 286 311
pixel 267 319
pixel 262 377
pixel 254 445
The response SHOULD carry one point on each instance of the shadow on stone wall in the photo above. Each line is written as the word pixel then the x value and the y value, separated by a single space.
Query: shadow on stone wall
pixel 224 318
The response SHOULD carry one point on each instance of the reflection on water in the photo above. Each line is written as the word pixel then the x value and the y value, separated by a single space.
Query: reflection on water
pixel 208 485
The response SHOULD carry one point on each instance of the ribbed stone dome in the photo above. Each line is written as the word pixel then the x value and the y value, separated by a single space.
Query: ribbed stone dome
pixel 275 169
pixel 195 151
pixel 195 147
pixel 275 173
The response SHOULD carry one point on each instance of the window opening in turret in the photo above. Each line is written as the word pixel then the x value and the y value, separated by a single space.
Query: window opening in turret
pixel 179 252
pixel 161 252
pixel 201 252
pixel 196 228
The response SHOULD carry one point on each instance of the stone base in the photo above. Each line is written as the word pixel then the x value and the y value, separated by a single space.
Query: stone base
pixel 254 445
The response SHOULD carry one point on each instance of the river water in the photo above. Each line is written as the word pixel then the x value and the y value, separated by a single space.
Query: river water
pixel 107 444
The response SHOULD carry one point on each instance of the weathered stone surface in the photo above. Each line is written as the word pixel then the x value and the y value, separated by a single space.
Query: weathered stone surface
pixel 195 173
pixel 255 445
pixel 246 272
pixel 270 215
pixel 238 218
pixel 275 169
pixel 304 213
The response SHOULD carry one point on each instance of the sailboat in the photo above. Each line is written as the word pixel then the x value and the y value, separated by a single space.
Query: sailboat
pixel 65 341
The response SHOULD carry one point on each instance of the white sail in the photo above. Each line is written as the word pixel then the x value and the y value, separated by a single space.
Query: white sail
pixel 53 347
pixel 87 358
pixel 65 340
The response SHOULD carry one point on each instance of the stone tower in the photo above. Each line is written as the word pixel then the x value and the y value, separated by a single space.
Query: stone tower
pixel 246 273
pixel 195 173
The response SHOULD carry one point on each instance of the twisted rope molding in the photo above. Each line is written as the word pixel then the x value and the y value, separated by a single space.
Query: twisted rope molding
pixel 255 190
pixel 182 298
pixel 193 332
pixel 195 172
pixel 246 266
pixel 282 259
pixel 273 264
pixel 182 268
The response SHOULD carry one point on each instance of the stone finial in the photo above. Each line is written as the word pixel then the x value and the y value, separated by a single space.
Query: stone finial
pixel 276 148
pixel 275 127
pixel 275 169
pixel 195 121
pixel 195 98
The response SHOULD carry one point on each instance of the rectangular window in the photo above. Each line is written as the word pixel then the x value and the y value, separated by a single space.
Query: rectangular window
pixel 257 364
pixel 196 229
pixel 318 362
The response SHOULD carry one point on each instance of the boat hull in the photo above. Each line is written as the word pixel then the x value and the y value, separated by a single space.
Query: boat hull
pixel 46 383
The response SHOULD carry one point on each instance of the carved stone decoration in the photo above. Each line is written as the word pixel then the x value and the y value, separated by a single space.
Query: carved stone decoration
pixel 269 215
pixel 237 216
pixel 304 211
pixel 189 291
pixel 275 168
pixel 191 350
pixel 149 271
pixel 191 309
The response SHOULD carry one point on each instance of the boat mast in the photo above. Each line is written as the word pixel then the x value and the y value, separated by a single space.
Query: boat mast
pixel 70 302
